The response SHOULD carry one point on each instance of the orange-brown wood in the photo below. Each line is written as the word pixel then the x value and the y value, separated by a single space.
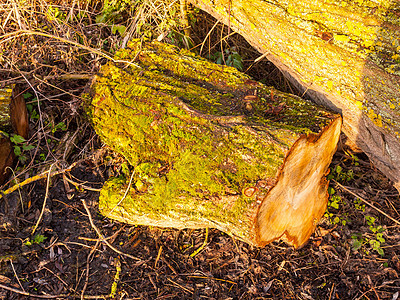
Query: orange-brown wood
pixel 19 113
pixel 292 208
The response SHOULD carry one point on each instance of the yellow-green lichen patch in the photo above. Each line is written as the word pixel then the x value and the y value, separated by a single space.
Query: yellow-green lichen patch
pixel 332 40
pixel 192 213
pixel 5 99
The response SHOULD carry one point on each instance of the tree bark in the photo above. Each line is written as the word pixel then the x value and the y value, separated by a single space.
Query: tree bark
pixel 345 54
pixel 211 148
pixel 13 119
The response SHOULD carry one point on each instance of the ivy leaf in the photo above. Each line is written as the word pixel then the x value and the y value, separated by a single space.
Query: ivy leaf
pixel 17 139
pixel 17 150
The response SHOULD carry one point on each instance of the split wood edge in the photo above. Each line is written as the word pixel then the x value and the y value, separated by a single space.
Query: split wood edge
pixel 293 207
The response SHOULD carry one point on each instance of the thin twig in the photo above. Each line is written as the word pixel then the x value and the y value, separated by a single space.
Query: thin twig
pixel 20 33
pixel 366 202
pixel 202 246
pixel 126 192
pixel 80 185
pixel 208 34
pixel 32 295
pixel 60 296
pixel 93 250
pixel 16 276
pixel 102 238
pixel 36 178
pixel 44 201
pixel 189 290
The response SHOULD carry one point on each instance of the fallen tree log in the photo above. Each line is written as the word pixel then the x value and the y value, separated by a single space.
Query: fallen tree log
pixel 344 54
pixel 211 148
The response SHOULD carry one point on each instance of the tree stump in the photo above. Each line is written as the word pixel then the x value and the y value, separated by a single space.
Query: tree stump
pixel 344 54
pixel 210 147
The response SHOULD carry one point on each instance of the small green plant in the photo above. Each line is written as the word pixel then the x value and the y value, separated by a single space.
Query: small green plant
pixel 355 159
pixel 112 11
pixel 377 230
pixel 358 205
pixel 233 58
pixel 60 126
pixel 358 240
pixel 339 174
pixel 180 39
pixel 31 106
pixel 54 13
pixel 20 145
pixel 37 239
pixel 118 28
pixel 334 204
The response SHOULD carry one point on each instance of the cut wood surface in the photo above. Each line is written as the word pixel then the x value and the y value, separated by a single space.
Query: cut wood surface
pixel 211 148
pixel 345 54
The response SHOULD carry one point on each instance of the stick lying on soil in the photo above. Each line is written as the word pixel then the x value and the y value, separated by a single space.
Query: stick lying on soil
pixel 211 147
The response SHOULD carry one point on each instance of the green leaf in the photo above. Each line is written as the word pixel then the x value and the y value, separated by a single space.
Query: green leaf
pixel 17 139
pixel 60 126
pixel 27 95
pixel 374 244
pixel 22 159
pixel 356 245
pixel 17 150
pixel 39 238
pixel 118 28
pixel 34 115
pixel 27 147
pixel 379 237
pixel 238 65
pixel 100 18
pixel 335 204
pixel 370 220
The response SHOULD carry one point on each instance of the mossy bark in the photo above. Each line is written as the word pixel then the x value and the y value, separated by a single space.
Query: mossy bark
pixel 345 54
pixel 208 145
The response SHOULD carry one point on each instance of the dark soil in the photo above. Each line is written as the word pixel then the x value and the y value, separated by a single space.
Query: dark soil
pixel 354 253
